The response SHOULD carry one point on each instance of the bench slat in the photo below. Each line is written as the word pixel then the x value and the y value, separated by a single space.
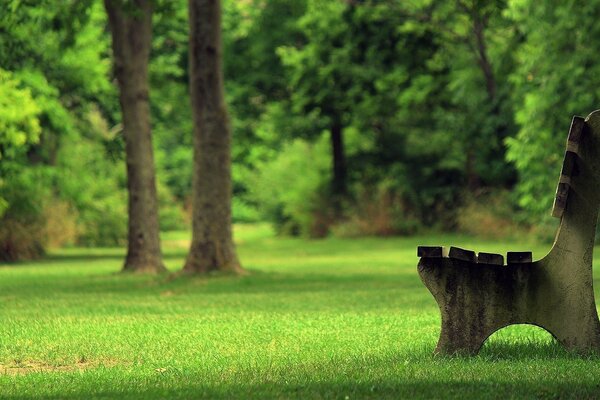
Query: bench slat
pixel 432 251
pixel 519 257
pixel 462 254
pixel 490 258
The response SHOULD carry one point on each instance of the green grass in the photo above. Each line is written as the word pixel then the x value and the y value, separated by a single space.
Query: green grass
pixel 337 318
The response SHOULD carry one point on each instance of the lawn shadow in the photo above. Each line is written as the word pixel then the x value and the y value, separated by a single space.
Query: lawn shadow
pixel 526 349
pixel 116 255
pixel 262 282
pixel 527 342
pixel 84 259
pixel 417 389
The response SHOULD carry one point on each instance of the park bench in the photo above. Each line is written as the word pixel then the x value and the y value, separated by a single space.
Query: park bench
pixel 479 294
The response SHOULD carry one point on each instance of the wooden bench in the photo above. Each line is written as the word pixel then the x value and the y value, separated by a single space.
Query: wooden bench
pixel 479 294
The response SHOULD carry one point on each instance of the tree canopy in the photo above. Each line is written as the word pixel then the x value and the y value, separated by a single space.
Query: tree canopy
pixel 351 117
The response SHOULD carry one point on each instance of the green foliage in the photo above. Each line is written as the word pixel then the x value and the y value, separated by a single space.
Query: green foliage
pixel 171 215
pixel 556 79
pixel 438 101
pixel 19 123
pixel 22 227
pixel 244 212
pixel 370 68
pixel 19 127
pixel 55 125
pixel 291 187
pixel 170 105
pixel 90 181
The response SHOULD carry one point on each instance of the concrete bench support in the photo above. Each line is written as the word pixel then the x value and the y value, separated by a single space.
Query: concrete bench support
pixel 479 295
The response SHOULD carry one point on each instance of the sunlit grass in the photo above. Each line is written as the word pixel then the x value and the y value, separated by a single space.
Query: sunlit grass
pixel 336 318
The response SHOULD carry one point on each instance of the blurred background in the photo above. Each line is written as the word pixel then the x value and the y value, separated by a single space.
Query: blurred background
pixel 350 118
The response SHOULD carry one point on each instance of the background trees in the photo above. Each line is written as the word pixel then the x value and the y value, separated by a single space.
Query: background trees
pixel 555 78
pixel 65 185
pixel 348 117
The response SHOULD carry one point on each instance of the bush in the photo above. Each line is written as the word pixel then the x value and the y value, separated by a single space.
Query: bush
pixel 291 189
pixel 21 240
pixel 60 223
pixel 103 222
pixel 171 214
pixel 243 211
pixel 378 210
pixel 22 225
pixel 94 186
pixel 490 215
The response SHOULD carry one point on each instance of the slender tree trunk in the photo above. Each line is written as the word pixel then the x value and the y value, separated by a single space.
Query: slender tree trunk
pixel 212 247
pixel 479 25
pixel 483 59
pixel 473 179
pixel 338 182
pixel 132 33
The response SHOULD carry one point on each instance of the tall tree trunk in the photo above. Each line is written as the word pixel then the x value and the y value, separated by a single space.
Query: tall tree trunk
pixel 338 182
pixel 212 247
pixel 132 33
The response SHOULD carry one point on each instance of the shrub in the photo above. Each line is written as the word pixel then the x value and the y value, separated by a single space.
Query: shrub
pixel 22 225
pixel 171 214
pixel 60 223
pixel 244 211
pixel 94 186
pixel 490 214
pixel 103 222
pixel 377 210
pixel 290 189
pixel 21 240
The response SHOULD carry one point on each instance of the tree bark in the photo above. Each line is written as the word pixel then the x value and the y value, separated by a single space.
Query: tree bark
pixel 479 24
pixel 212 247
pixel 479 21
pixel 131 39
pixel 338 182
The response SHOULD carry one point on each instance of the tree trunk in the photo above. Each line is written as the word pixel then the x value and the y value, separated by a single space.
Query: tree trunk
pixel 212 247
pixel 338 182
pixel 473 179
pixel 132 33
pixel 479 25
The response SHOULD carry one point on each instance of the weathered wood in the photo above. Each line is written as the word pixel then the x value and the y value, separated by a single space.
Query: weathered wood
pixel 575 133
pixel 432 251
pixel 569 167
pixel 490 258
pixel 555 293
pixel 462 254
pixel 560 200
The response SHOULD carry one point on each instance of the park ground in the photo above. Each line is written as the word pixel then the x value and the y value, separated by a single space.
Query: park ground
pixel 334 318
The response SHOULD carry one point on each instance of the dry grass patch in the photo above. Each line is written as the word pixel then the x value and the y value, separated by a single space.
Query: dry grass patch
pixel 30 367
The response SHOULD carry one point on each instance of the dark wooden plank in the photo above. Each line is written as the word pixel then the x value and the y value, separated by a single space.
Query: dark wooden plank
pixel 576 129
pixel 519 257
pixel 569 167
pixel 560 201
pixel 462 254
pixel 432 251
pixel 490 258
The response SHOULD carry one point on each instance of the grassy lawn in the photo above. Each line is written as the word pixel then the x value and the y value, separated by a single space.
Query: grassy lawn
pixel 337 318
